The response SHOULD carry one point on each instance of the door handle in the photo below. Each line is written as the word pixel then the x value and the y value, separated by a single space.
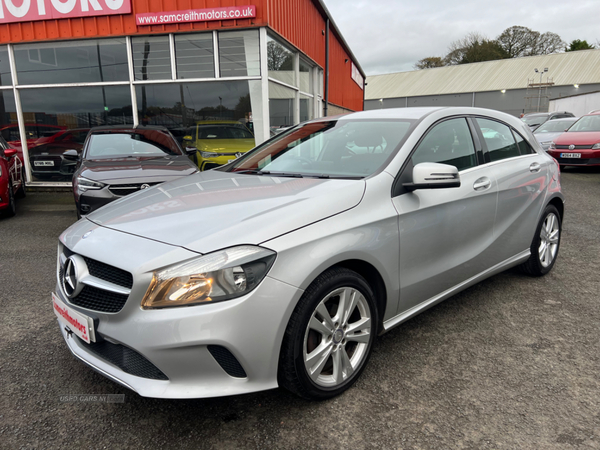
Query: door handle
pixel 481 184
pixel 535 167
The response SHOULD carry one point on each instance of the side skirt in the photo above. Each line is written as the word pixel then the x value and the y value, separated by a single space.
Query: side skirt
pixel 501 267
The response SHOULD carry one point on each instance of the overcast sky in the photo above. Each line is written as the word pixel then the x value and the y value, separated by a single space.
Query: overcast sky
pixel 392 35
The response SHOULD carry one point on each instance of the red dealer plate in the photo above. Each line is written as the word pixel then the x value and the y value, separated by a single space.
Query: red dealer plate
pixel 80 324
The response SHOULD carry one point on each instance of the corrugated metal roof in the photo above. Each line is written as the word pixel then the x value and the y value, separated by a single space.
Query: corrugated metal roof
pixel 580 67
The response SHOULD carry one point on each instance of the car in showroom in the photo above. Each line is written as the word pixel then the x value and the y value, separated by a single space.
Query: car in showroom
pixel 46 154
pixel 282 267
pixel 218 142
pixel 12 179
pixel 580 145
pixel 551 129
pixel 534 120
pixel 119 160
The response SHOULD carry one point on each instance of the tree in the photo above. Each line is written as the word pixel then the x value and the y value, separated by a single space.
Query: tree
pixel 429 63
pixel 547 43
pixel 278 58
pixel 474 48
pixel 518 41
pixel 579 45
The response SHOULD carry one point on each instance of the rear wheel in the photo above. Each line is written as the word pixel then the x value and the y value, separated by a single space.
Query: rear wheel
pixel 330 335
pixel 545 245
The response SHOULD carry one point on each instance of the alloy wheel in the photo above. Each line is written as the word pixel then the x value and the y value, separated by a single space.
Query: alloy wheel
pixel 337 337
pixel 549 237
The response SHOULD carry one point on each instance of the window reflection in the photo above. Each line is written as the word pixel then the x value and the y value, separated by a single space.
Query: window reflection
pixel 194 55
pixel 238 54
pixel 5 77
pixel 151 58
pixel 58 119
pixel 281 105
pixel 280 61
pixel 90 61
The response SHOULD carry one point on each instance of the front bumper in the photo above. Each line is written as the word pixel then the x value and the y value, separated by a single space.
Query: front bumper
pixel 176 340
pixel 588 157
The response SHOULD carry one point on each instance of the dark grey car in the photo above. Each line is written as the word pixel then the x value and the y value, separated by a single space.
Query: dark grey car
pixel 119 160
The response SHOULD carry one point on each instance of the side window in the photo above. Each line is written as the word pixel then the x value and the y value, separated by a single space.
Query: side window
pixel 449 142
pixel 499 140
pixel 524 147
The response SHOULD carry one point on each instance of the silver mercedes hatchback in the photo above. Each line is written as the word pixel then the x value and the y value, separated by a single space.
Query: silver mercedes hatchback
pixel 282 267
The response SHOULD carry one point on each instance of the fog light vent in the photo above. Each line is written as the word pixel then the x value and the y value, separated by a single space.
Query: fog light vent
pixel 227 361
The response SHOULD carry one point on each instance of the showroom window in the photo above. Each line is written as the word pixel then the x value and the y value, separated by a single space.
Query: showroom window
pixel 90 61
pixel 151 58
pixel 5 77
pixel 194 55
pixel 49 113
pixel 280 61
pixel 281 105
pixel 239 54
pixel 9 127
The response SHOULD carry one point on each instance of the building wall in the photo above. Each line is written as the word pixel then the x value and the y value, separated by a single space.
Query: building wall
pixel 578 104
pixel 512 102
pixel 298 21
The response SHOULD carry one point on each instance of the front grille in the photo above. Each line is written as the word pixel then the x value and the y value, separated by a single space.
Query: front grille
pixel 126 359
pixel 227 361
pixel 109 273
pixel 97 299
pixel 126 189
pixel 577 161
pixel 209 165
pixel 577 147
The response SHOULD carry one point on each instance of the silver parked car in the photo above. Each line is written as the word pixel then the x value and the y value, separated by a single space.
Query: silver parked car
pixel 282 267
pixel 550 130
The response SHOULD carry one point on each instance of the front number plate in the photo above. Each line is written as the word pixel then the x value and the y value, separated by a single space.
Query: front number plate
pixel 43 163
pixel 81 325
pixel 570 155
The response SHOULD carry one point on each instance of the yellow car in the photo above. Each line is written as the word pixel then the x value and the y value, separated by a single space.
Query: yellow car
pixel 217 143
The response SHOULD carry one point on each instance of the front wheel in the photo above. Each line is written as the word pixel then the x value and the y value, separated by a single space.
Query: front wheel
pixel 330 335
pixel 545 245
pixel 11 210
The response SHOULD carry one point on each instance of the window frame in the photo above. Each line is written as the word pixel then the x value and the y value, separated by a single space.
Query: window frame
pixel 486 153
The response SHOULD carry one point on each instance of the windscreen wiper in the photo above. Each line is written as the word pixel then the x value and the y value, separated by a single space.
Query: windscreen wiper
pixel 273 174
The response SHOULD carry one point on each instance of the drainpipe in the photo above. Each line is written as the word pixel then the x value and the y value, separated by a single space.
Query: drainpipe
pixel 326 68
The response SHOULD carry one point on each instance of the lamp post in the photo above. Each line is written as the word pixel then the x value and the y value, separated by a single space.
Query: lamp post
pixel 541 72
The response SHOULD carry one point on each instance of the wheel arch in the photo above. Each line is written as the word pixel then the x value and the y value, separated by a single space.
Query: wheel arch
pixel 558 204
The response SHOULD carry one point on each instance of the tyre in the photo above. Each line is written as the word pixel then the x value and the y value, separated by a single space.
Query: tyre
pixel 330 335
pixel 11 210
pixel 21 192
pixel 545 245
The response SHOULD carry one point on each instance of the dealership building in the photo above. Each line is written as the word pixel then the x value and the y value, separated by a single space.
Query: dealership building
pixel 76 64
pixel 514 86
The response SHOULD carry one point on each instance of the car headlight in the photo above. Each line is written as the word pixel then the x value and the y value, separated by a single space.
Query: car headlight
pixel 83 185
pixel 552 146
pixel 209 154
pixel 218 276
pixel 596 146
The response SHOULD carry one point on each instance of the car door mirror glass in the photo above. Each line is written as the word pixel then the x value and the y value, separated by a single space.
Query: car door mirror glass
pixel 433 176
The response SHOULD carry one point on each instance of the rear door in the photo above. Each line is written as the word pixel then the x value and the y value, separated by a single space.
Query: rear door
pixel 445 234
pixel 521 174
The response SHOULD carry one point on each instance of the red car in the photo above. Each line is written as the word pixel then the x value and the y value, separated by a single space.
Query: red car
pixel 580 144
pixel 12 180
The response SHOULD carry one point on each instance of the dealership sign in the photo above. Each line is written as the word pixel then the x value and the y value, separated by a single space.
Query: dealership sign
pixel 29 10
pixel 196 15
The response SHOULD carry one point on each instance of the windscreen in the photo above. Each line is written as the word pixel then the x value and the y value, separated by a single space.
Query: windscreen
pixel 535 120
pixel 343 148
pixel 555 126
pixel 110 145
pixel 587 123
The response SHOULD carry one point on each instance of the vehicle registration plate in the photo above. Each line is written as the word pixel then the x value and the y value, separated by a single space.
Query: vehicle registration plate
pixel 80 324
pixel 43 163
pixel 570 155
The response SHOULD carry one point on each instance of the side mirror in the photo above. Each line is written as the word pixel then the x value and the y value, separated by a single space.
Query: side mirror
pixel 187 138
pixel 191 150
pixel 433 176
pixel 72 155
pixel 10 152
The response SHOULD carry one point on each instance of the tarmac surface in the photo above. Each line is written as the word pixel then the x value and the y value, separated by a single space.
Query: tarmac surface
pixel 512 363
